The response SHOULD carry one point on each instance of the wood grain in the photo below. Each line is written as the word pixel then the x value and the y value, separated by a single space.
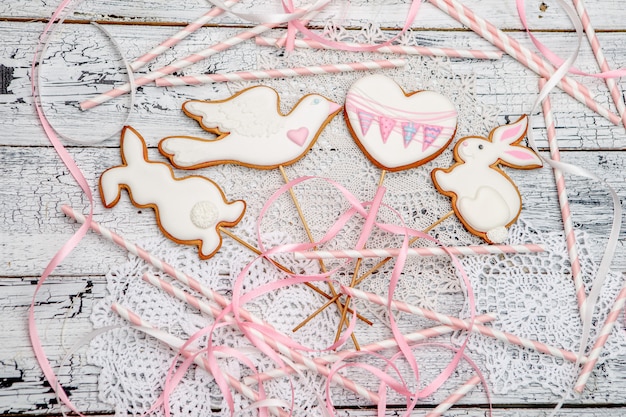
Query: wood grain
pixel 81 62
pixel 605 15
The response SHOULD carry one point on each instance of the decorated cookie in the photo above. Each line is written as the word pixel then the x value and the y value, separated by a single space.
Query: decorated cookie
pixel 398 130
pixel 189 210
pixel 251 130
pixel 484 198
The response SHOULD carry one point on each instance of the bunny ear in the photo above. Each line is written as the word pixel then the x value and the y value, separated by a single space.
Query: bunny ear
pixel 520 157
pixel 133 146
pixel 510 133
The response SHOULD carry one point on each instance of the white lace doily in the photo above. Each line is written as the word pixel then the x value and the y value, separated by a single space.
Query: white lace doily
pixel 532 294
pixel 534 297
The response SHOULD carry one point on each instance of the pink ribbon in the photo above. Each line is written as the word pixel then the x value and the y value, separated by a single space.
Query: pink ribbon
pixel 239 299
pixel 554 58
pixel 294 24
pixel 357 207
pixel 73 241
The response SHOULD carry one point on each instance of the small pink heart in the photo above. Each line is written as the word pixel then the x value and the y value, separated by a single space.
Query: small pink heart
pixel 298 136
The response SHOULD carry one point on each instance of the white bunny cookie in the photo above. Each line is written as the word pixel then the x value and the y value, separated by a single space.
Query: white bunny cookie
pixel 484 198
pixel 189 210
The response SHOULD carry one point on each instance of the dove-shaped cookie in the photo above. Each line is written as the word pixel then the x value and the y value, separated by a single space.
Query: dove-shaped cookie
pixel 251 130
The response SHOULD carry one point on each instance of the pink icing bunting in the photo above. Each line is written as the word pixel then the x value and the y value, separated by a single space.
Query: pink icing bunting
pixel 409 129
pixel 365 120
pixel 386 127
pixel 431 133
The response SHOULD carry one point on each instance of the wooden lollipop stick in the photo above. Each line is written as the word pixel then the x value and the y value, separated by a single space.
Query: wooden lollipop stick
pixel 293 354
pixel 411 242
pixel 384 261
pixel 316 312
pixel 282 267
pixel 165 267
pixel 309 234
pixel 367 227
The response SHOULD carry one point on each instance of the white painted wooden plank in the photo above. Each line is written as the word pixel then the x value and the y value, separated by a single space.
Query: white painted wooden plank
pixel 461 411
pixel 605 15
pixel 62 313
pixel 33 227
pixel 81 71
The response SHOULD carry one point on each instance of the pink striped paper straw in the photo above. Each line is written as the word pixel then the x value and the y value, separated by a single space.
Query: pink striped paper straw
pixel 522 54
pixel 611 83
pixel 391 49
pixel 215 297
pixel 414 337
pixel 177 343
pixel 566 214
pixel 279 347
pixel 170 270
pixel 177 65
pixel 454 398
pixel 179 36
pixel 424 251
pixel 603 336
pixel 158 263
pixel 463 325
pixel 280 72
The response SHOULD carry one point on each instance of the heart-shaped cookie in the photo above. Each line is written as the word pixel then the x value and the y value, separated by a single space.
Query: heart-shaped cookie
pixel 398 130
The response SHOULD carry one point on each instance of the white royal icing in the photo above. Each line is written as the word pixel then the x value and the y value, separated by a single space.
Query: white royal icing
pixel 254 131
pixel 189 209
pixel 487 200
pixel 397 131
pixel 204 214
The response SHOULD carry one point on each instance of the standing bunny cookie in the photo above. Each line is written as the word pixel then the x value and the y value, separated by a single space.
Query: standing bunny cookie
pixel 484 198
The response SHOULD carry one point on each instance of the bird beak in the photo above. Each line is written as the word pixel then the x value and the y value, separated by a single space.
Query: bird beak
pixel 333 107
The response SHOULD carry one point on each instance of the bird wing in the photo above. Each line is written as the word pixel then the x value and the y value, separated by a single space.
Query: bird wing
pixel 253 112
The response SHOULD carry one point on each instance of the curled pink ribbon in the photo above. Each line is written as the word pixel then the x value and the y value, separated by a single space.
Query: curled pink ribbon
pixel 73 241
pixel 294 24
pixel 554 58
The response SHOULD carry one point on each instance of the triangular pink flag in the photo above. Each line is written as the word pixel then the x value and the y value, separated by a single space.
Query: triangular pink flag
pixel 431 133
pixel 386 126
pixel 409 129
pixel 365 119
